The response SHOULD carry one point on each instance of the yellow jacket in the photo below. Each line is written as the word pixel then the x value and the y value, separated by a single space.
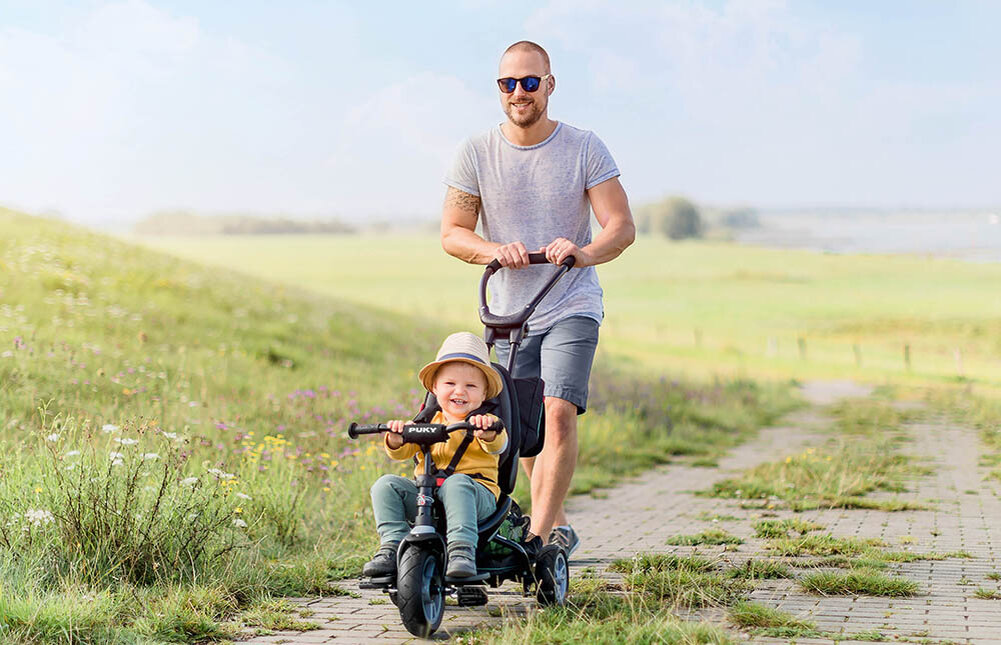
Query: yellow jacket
pixel 481 457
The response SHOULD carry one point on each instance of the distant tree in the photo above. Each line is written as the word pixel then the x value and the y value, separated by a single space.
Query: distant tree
pixel 742 217
pixel 675 217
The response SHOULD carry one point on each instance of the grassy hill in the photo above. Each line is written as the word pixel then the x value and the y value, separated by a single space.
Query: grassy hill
pixel 171 433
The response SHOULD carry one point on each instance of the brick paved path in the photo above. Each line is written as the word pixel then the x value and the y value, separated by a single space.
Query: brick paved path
pixel 640 515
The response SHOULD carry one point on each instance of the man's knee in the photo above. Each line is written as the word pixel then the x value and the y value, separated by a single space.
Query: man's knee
pixel 561 419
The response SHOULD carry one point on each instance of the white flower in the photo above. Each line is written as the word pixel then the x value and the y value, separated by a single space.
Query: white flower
pixel 117 462
pixel 240 524
pixel 53 437
pixel 109 427
pixel 8 354
pixel 193 516
pixel 126 441
pixel 72 453
pixel 220 474
pixel 170 435
pixel 71 467
pixel 151 456
pixel 115 455
pixel 38 517
pixel 189 481
pixel 243 496
pixel 193 404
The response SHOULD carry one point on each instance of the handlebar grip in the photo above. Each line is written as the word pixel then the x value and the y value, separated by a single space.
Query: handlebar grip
pixel 537 258
pixel 533 258
pixel 355 430
pixel 494 266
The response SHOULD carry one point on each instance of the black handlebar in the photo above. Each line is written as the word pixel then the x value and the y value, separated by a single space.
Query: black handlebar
pixel 422 433
pixel 518 318
pixel 533 258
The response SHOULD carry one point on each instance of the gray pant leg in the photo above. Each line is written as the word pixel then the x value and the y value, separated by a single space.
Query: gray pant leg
pixel 394 503
pixel 466 504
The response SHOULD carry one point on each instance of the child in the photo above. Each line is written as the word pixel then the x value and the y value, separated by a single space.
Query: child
pixel 461 378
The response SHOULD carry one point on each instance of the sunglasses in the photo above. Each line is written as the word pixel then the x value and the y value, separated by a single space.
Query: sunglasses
pixel 528 83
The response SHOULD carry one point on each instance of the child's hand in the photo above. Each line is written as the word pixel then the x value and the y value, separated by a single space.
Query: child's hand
pixel 482 422
pixel 394 438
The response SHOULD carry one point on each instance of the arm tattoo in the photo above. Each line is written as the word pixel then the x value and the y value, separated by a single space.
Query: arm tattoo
pixel 456 198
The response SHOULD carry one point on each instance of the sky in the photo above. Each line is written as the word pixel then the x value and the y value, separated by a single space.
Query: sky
pixel 110 111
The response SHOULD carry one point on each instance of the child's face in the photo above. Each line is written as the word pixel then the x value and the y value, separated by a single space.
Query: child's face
pixel 460 389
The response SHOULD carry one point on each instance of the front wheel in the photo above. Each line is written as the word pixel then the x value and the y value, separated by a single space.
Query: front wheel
pixel 552 573
pixel 420 593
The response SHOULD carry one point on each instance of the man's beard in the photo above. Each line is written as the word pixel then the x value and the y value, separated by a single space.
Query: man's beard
pixel 526 120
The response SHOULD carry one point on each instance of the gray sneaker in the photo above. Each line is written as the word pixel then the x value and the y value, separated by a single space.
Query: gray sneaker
pixel 461 561
pixel 566 537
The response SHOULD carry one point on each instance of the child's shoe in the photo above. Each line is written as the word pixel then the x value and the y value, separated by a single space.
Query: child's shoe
pixel 461 561
pixel 384 561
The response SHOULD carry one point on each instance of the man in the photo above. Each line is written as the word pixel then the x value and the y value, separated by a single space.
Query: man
pixel 535 181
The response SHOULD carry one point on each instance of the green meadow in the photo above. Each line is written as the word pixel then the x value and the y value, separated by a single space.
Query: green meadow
pixel 695 308
pixel 173 458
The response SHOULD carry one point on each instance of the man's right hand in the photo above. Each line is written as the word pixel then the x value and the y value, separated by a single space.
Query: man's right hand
pixel 512 256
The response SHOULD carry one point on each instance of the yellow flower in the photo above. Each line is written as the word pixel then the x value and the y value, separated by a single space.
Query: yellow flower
pixel 38 490
pixel 238 510
pixel 326 489
pixel 788 460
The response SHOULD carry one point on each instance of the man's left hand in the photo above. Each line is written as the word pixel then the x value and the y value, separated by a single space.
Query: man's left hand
pixel 561 248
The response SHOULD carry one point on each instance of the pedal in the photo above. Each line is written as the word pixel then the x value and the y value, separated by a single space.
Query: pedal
pixel 381 582
pixel 471 596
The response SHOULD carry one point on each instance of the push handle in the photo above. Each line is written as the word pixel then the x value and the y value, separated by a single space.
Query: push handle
pixel 355 430
pixel 533 258
pixel 519 318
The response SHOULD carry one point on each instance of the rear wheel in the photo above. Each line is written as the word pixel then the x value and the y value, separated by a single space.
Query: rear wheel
pixel 420 593
pixel 552 572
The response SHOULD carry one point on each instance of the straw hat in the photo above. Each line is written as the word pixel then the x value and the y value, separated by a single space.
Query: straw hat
pixel 464 347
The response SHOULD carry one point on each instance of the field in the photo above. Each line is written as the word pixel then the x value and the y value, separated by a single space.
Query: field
pixel 173 453
pixel 700 309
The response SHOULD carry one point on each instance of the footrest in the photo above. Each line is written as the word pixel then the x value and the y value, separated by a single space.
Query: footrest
pixel 479 577
pixel 381 582
pixel 472 596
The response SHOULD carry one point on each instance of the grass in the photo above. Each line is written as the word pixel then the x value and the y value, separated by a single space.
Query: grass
pixel 781 528
pixel 754 569
pixel 709 537
pixel 767 621
pixel 834 303
pixel 823 545
pixel 987 594
pixel 862 582
pixel 173 436
pixel 861 458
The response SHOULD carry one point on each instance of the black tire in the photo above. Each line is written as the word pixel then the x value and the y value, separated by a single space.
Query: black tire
pixel 420 591
pixel 552 572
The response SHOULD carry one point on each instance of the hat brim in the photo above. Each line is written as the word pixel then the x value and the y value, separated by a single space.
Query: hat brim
pixel 494 383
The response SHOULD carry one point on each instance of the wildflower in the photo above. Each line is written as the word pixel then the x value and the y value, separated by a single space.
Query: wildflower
pixel 220 474
pixel 238 509
pixel 72 453
pixel 109 428
pixel 38 517
pixel 189 481
pixel 53 437
pixel 170 435
pixel 117 462
pixel 243 496
pixel 115 455
pixel 240 524
pixel 151 456
pixel 7 354
pixel 126 441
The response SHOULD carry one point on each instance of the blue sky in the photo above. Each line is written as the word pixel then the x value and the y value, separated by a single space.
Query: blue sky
pixel 111 110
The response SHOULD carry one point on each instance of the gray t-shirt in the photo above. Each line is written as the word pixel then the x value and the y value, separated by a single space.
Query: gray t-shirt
pixel 535 194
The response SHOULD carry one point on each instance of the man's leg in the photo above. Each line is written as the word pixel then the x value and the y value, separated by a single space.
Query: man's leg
pixel 566 355
pixel 554 467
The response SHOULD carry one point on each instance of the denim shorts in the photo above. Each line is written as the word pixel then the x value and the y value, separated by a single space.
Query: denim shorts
pixel 562 355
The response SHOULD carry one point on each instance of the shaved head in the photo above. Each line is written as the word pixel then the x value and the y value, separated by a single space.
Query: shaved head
pixel 529 46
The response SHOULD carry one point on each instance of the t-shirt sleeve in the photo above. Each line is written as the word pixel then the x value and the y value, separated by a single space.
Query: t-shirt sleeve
pixel 462 175
pixel 599 163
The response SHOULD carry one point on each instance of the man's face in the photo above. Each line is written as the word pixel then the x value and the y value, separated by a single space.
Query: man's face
pixel 460 389
pixel 522 108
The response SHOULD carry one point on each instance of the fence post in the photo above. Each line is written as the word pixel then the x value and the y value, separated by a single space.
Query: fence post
pixel 802 347
pixel 907 356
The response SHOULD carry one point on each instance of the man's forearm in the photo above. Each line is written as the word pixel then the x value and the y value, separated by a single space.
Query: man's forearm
pixel 611 241
pixel 466 245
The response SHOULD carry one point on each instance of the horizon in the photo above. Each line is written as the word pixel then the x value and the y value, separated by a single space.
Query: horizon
pixel 112 111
